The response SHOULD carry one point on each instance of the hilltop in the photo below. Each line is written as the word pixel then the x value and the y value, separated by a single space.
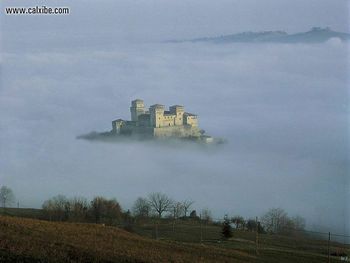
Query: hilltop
pixel 315 35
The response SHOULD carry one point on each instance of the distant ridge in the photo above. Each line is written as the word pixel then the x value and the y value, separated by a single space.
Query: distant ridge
pixel 315 35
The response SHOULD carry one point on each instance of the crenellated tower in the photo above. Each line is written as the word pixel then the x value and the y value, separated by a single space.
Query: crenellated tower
pixel 156 115
pixel 178 111
pixel 137 108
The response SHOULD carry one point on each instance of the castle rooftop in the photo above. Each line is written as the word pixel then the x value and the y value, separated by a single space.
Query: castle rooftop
pixel 157 106
pixel 190 114
pixel 177 106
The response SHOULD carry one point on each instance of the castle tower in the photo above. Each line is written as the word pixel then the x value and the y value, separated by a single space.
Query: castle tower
pixel 137 108
pixel 179 112
pixel 157 114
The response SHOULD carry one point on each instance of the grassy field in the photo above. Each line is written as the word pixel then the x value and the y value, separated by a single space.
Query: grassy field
pixel 23 212
pixel 272 248
pixel 33 240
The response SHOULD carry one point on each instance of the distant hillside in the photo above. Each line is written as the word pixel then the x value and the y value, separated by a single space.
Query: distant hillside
pixel 23 212
pixel 315 35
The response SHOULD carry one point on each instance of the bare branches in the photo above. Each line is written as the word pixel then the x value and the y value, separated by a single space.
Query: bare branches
pixel 186 206
pixel 141 207
pixel 159 202
pixel 7 197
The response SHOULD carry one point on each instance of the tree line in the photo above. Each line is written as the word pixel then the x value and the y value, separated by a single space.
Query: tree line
pixel 103 210
pixel 80 209
pixel 274 221
pixel 158 204
pixel 155 205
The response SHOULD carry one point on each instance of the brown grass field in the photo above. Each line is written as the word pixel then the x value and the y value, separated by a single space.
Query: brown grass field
pixel 33 240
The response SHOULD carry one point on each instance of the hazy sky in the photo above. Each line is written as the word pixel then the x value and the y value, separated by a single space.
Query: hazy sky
pixel 282 107
pixel 139 20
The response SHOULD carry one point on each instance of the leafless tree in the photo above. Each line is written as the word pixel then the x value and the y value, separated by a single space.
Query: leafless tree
pixel 298 223
pixel 186 206
pixel 79 208
pixel 108 210
pixel 206 215
pixel 159 202
pixel 178 209
pixel 238 221
pixel 57 208
pixel 275 220
pixel 7 196
pixel 141 207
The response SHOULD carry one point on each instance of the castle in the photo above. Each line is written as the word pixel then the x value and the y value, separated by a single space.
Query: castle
pixel 158 122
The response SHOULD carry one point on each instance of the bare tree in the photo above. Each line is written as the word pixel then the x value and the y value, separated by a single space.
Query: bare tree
pixel 275 220
pixel 298 223
pixel 178 210
pixel 206 215
pixel 79 208
pixel 113 211
pixel 96 208
pixel 7 196
pixel 250 224
pixel 141 207
pixel 238 221
pixel 186 206
pixel 49 209
pixel 253 225
pixel 159 202
pixel 107 210
pixel 57 208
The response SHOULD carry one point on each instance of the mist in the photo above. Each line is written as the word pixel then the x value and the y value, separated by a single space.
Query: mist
pixel 282 107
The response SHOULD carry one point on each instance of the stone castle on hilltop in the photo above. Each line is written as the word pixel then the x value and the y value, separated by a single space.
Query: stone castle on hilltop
pixel 158 122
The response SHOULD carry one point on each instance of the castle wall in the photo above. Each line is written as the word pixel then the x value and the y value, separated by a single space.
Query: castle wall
pixel 129 129
pixel 167 121
pixel 179 119
pixel 117 126
pixel 191 120
pixel 143 131
pixel 144 120
pixel 176 131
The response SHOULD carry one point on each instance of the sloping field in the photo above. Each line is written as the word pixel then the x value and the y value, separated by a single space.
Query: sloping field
pixel 29 240
pixel 33 240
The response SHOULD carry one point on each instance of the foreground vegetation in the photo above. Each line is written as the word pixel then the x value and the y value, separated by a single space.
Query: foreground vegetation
pixel 158 229
pixel 155 205
pixel 33 240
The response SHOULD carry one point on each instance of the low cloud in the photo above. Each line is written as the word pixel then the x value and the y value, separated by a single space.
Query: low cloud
pixel 281 107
